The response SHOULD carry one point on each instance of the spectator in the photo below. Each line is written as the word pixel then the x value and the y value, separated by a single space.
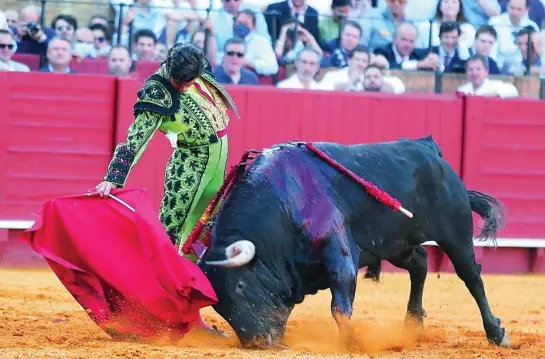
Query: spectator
pixel 12 18
pixel 3 21
pixel 450 57
pixel 478 12
pixel 480 84
pixel 416 11
pixel 507 26
pixel 83 46
pixel 290 11
pixel 259 52
pixel 6 53
pixel 362 12
pixel 101 39
pixel 341 47
pixel 99 20
pixel 224 22
pixel 31 38
pixel 382 28
pixel 182 17
pixel 145 42
pixel 361 9
pixel 373 81
pixel 141 16
pixel 329 27
pixel 290 43
pixel 161 52
pixel 307 66
pixel 401 53
pixel 484 41
pixel 59 55
pixel 536 11
pixel 353 74
pixel 447 10
pixel 119 61
pixel 232 69
pixel 65 26
pixel 198 39
pixel 518 63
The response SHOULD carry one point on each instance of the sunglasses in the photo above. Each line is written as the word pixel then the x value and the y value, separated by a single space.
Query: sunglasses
pixel 100 39
pixel 8 46
pixel 233 53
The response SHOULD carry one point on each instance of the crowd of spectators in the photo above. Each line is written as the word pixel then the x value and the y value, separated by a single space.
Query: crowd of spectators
pixel 331 45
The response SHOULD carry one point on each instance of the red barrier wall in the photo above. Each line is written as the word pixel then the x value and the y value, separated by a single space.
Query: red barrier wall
pixel 504 155
pixel 55 137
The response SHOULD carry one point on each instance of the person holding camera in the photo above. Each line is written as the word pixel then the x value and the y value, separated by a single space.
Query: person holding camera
pixel 294 38
pixel 30 37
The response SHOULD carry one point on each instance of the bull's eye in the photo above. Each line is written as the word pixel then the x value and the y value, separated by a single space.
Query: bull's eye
pixel 240 286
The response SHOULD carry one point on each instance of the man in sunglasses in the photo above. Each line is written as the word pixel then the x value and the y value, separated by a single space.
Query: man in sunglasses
pixel 6 53
pixel 232 70
pixel 184 101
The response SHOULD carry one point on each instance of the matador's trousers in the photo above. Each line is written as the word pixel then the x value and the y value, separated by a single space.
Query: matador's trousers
pixel 192 178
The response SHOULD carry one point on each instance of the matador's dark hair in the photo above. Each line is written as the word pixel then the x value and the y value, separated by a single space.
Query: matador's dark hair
pixel 185 62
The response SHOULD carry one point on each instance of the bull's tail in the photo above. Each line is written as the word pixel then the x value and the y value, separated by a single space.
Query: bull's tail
pixel 490 210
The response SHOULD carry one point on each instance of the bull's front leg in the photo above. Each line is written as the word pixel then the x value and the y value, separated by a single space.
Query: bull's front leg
pixel 341 260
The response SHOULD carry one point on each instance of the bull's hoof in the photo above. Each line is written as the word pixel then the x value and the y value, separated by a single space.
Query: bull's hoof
pixel 504 342
pixel 416 319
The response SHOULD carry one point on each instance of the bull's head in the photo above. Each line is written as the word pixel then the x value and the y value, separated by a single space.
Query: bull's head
pixel 252 296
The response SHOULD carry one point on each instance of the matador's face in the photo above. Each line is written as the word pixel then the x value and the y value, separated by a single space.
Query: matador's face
pixel 182 87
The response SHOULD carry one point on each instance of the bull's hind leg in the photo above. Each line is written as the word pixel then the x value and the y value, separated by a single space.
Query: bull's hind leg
pixel 416 263
pixel 462 256
pixel 341 259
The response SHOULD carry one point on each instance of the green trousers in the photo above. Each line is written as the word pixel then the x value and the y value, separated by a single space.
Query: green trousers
pixel 192 178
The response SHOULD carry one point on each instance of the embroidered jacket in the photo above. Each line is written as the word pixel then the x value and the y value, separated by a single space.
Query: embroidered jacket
pixel 187 119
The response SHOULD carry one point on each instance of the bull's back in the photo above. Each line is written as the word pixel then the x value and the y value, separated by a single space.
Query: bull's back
pixel 320 198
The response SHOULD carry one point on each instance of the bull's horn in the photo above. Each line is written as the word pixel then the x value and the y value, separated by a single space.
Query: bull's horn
pixel 238 254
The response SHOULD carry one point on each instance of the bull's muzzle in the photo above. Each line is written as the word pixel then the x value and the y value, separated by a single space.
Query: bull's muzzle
pixel 238 254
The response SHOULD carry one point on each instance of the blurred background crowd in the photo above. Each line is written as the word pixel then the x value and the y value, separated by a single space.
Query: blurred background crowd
pixel 329 45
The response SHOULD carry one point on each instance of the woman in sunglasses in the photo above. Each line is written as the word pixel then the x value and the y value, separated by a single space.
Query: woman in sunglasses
pixel 7 49
pixel 185 102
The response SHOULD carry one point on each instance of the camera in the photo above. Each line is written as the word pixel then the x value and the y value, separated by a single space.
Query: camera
pixel 33 28
pixel 291 34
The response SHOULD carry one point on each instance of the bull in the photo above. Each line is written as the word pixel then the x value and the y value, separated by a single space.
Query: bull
pixel 293 225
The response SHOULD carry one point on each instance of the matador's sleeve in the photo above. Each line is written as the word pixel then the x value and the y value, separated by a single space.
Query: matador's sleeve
pixel 126 154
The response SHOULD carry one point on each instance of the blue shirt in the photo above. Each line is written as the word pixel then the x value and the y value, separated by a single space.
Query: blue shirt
pixel 247 77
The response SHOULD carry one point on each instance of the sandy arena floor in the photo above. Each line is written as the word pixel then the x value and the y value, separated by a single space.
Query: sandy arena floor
pixel 39 319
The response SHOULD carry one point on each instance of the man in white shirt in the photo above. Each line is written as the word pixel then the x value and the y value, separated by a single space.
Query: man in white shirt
pixel 353 74
pixel 6 53
pixel 507 26
pixel 307 66
pixel 479 84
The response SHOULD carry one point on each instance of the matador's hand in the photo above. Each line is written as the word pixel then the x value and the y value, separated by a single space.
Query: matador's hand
pixel 104 188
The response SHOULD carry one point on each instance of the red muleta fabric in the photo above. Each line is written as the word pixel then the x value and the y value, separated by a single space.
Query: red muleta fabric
pixel 120 265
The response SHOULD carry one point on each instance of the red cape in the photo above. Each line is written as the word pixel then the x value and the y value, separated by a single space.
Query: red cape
pixel 120 265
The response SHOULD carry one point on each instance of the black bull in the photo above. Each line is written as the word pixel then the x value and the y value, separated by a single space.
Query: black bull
pixel 293 225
